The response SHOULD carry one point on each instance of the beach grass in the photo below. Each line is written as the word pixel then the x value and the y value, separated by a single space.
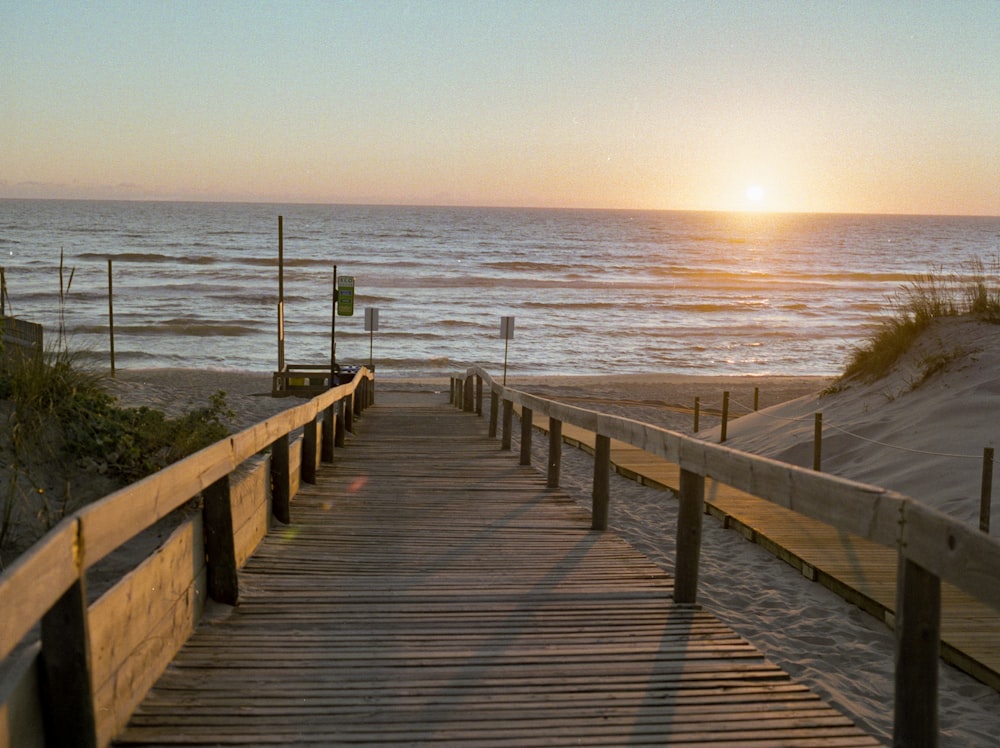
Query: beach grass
pixel 63 429
pixel 926 297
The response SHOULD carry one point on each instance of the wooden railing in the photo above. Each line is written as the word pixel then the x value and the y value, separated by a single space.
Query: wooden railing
pixel 92 664
pixel 931 545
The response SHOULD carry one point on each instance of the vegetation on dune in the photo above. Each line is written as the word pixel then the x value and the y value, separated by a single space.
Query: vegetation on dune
pixel 66 438
pixel 975 293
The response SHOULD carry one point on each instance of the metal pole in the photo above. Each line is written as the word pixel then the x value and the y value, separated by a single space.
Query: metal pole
pixel 281 294
pixel 333 333
pixel 111 318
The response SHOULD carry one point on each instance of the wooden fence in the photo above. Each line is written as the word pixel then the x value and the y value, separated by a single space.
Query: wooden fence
pixel 932 546
pixel 92 664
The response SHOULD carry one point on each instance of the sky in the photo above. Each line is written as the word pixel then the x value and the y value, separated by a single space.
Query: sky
pixel 856 106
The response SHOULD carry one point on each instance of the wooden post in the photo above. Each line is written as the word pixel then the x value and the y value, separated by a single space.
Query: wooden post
pixel 329 431
pixel 602 483
pixel 281 487
pixel 469 389
pixel 818 441
pixel 348 412
pixel 3 293
pixel 691 496
pixel 507 425
pixel 340 435
pixel 65 670
pixel 986 490
pixel 756 398
pixel 725 416
pixel 697 409
pixel 220 549
pixel 281 294
pixel 307 470
pixel 494 408
pixel 918 647
pixel 525 436
pixel 356 401
pixel 451 393
pixel 479 395
pixel 459 395
pixel 111 318
pixel 555 453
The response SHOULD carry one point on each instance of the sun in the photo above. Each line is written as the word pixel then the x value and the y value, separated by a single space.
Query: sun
pixel 755 194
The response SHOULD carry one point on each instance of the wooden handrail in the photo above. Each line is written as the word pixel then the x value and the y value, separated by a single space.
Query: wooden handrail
pixel 45 576
pixel 931 545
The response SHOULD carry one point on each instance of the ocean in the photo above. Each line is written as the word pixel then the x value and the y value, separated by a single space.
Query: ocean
pixel 591 291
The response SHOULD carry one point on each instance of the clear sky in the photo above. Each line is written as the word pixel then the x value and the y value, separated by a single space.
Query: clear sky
pixel 799 105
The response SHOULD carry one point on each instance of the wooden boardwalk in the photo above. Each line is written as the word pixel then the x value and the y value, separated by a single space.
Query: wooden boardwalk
pixel 860 571
pixel 430 589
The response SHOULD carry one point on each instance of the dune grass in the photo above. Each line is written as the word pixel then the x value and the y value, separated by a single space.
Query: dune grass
pixel 974 293
pixel 66 435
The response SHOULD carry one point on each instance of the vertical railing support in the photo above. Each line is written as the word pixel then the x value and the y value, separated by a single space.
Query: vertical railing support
pixel 555 453
pixel 494 408
pixel 525 436
pixel 691 497
pixel 918 647
pixel 220 549
pixel 725 418
pixel 310 436
pixel 817 441
pixel 986 490
pixel 329 434
pixel 339 424
pixel 357 401
pixel 507 425
pixel 469 390
pixel 601 495
pixel 66 689
pixel 281 488
pixel 479 395
pixel 348 411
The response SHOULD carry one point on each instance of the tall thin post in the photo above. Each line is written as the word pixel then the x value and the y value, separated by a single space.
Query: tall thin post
pixel 111 318
pixel 333 333
pixel 818 441
pixel 725 416
pixel 697 410
pixel 691 507
pixel 506 424
pixel 220 550
pixel 525 436
pixel 756 398
pixel 494 408
pixel 281 294
pixel 601 496
pixel 555 453
pixel 918 647
pixel 986 493
pixel 3 293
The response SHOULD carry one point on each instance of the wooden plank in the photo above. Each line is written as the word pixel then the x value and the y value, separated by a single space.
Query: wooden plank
pixel 36 580
pixel 251 490
pixel 21 722
pixel 139 624
pixel 437 590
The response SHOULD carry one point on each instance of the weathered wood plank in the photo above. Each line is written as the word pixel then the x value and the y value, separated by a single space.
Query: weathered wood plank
pixel 435 589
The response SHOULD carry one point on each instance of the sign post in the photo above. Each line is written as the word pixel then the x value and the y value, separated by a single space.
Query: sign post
pixel 506 332
pixel 371 327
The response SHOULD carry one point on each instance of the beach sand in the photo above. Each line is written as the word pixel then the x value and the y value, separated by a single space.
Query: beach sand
pixel 839 651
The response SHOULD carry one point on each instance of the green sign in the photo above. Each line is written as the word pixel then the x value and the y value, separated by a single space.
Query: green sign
pixel 345 296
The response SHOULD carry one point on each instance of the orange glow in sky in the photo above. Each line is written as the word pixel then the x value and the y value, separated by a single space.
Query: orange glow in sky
pixel 860 106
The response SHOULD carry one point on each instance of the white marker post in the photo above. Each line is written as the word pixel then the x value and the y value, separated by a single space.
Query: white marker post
pixel 506 332
pixel 371 327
